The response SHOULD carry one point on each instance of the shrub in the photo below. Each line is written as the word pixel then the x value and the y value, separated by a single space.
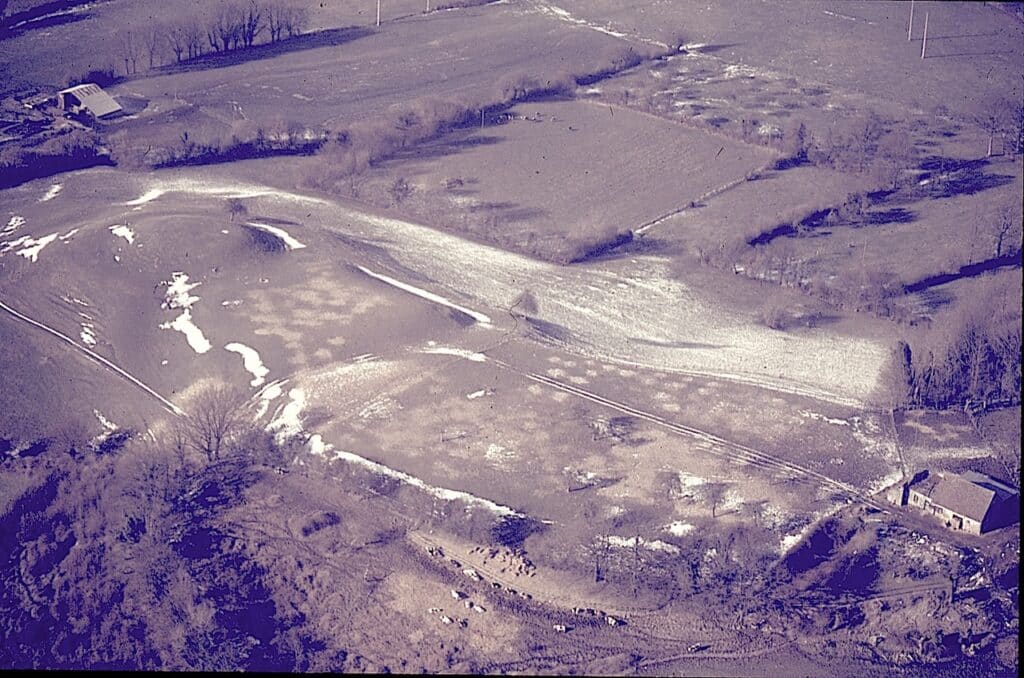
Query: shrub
pixel 523 87
pixel 524 305
pixel 775 316
pixel 104 77
pixel 400 190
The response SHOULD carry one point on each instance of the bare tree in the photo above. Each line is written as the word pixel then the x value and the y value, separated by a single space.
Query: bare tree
pixel 250 23
pixel 796 140
pixel 1015 128
pixel 193 36
pixel 274 17
pixel 993 120
pixel 714 494
pixel 895 156
pixel 1005 228
pixel 129 48
pixel 236 208
pixel 174 34
pixel 217 419
pixel 295 20
pixel 154 38
pixel 225 32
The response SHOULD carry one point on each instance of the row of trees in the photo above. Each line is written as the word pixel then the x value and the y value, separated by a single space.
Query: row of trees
pixel 867 144
pixel 234 25
pixel 970 358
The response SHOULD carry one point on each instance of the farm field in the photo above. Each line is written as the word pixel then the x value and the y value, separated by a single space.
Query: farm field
pixel 818 42
pixel 30 59
pixel 462 56
pixel 526 337
pixel 556 175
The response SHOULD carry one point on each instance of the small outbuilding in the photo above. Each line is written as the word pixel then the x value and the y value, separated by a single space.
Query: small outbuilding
pixel 966 502
pixel 88 97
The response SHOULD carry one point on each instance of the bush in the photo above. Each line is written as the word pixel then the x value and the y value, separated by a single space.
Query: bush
pixel 587 243
pixel 524 305
pixel 775 316
pixel 400 190
pixel 523 87
pixel 104 77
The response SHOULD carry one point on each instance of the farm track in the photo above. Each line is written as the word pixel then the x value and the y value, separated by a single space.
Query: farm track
pixel 897 592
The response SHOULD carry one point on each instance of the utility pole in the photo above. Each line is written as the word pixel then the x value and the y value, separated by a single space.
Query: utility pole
pixel 910 26
pixel 924 41
pixel 378 15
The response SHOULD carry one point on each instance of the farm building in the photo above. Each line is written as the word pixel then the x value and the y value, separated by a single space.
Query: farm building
pixel 87 97
pixel 968 502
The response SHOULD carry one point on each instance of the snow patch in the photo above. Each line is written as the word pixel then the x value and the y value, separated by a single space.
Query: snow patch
pixel 30 247
pixel 649 544
pixel 688 480
pixel 289 242
pixel 270 392
pixel 178 296
pixel 13 224
pixel 498 453
pixel 289 422
pixel 790 540
pixel 476 394
pixel 70 234
pixel 678 528
pixel 821 417
pixel 460 352
pixel 178 288
pixel 839 16
pixel 108 428
pixel 318 446
pixel 224 190
pixel 51 193
pixel 429 296
pixel 123 231
pixel 566 16
pixel 251 361
pixel 149 196
pixel 106 423
pixel 195 337
pixel 88 334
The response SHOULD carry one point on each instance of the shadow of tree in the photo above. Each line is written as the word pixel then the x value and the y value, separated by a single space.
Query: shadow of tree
pixel 44 15
pixel 332 37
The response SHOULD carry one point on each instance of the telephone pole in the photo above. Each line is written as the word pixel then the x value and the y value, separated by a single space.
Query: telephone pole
pixel 378 15
pixel 924 41
pixel 910 26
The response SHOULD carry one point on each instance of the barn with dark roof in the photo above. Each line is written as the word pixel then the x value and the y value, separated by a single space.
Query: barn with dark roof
pixel 968 502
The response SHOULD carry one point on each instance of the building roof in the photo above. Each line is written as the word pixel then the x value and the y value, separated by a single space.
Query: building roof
pixel 94 98
pixel 1000 488
pixel 969 494
pixel 963 497
pixel 925 482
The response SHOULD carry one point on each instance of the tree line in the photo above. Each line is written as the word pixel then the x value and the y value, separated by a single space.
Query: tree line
pixel 234 25
pixel 970 358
